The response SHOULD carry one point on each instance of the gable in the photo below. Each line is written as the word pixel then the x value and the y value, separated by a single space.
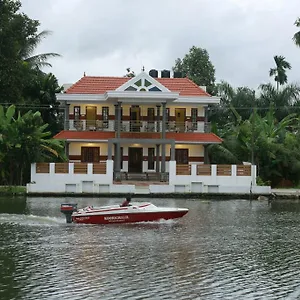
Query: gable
pixel 143 83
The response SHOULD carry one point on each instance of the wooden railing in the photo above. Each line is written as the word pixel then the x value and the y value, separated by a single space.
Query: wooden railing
pixel 80 168
pixel 63 168
pixel 99 168
pixel 204 170
pixel 242 170
pixel 42 168
pixel 223 170
pixel 183 169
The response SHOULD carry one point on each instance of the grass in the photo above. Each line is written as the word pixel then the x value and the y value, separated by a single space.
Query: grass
pixel 12 190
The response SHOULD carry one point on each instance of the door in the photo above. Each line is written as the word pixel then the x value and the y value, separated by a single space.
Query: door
pixel 90 154
pixel 135 160
pixel 135 117
pixel 180 119
pixel 182 156
pixel 91 116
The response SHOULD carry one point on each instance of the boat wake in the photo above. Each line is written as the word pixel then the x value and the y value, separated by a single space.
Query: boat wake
pixel 30 220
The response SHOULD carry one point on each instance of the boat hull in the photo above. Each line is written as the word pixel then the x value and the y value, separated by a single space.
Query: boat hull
pixel 128 217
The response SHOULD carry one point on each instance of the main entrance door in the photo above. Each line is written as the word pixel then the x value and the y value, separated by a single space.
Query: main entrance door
pixel 135 160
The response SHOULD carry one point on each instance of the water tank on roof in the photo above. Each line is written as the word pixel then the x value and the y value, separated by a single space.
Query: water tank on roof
pixel 165 74
pixel 153 73
pixel 177 74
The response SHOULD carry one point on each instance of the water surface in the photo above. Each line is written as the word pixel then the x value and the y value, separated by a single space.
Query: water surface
pixel 219 250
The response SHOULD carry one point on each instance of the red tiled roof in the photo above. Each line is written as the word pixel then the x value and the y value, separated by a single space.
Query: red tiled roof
pixel 192 137
pixel 100 85
pixel 84 135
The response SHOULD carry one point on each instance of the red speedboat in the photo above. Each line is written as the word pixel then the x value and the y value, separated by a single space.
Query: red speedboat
pixel 135 212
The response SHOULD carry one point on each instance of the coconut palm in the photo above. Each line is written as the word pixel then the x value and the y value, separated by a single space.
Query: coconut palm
pixel 283 101
pixel 279 72
pixel 26 53
pixel 296 37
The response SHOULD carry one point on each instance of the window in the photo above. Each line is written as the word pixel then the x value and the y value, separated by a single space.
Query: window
pixel 182 156
pixel 150 158
pixel 194 114
pixel 105 116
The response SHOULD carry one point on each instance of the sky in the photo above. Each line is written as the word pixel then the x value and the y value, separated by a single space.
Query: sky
pixel 103 38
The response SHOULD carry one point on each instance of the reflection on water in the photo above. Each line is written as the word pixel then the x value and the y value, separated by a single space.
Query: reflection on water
pixel 219 250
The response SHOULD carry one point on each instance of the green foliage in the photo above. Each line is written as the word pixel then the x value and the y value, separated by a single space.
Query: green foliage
pixel 270 138
pixel 24 141
pixel 197 66
pixel 279 72
pixel 296 37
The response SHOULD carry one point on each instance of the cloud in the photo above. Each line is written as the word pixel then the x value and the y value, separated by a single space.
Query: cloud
pixel 105 37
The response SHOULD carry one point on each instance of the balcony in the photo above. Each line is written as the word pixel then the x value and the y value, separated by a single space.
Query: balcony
pixel 137 126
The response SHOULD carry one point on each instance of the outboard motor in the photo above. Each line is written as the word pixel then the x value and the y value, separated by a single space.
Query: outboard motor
pixel 67 209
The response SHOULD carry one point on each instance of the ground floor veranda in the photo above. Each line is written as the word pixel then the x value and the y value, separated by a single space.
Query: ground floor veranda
pixel 136 156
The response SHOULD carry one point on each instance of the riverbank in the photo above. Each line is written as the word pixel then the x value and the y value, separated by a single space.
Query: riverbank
pixel 13 191
pixel 275 194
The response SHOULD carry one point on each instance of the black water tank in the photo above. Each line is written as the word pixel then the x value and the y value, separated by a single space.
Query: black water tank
pixel 153 73
pixel 165 74
pixel 177 74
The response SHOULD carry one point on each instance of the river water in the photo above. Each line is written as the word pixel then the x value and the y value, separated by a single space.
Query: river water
pixel 232 249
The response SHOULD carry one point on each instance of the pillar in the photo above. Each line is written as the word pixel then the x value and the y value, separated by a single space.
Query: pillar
pixel 117 160
pixel 66 117
pixel 157 159
pixel 157 118
pixel 163 146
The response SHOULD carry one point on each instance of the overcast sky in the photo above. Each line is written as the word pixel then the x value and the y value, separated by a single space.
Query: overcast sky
pixel 105 37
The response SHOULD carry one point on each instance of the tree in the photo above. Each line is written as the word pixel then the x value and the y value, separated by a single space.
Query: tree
pixel 284 101
pixel 197 66
pixel 24 140
pixel 296 37
pixel 18 40
pixel 279 72
pixel 41 95
pixel 26 53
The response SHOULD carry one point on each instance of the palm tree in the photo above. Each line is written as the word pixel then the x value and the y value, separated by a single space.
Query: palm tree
pixel 279 72
pixel 283 101
pixel 38 61
pixel 296 37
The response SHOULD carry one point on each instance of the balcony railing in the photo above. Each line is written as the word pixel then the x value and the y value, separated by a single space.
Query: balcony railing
pixel 137 126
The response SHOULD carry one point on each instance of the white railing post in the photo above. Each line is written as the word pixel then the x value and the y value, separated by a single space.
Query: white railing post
pixel 214 177
pixel 233 173
pixel 90 168
pixel 71 168
pixel 253 174
pixel 172 171
pixel 52 169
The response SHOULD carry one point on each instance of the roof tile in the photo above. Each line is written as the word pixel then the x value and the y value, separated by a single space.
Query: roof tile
pixel 100 85
pixel 192 137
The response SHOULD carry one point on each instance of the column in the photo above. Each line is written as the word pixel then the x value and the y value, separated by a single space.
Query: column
pixel 67 150
pixel 163 146
pixel 206 157
pixel 157 118
pixel 157 159
pixel 66 116
pixel 117 162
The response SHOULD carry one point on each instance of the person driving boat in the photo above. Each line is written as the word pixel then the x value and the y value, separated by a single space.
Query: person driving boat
pixel 126 202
